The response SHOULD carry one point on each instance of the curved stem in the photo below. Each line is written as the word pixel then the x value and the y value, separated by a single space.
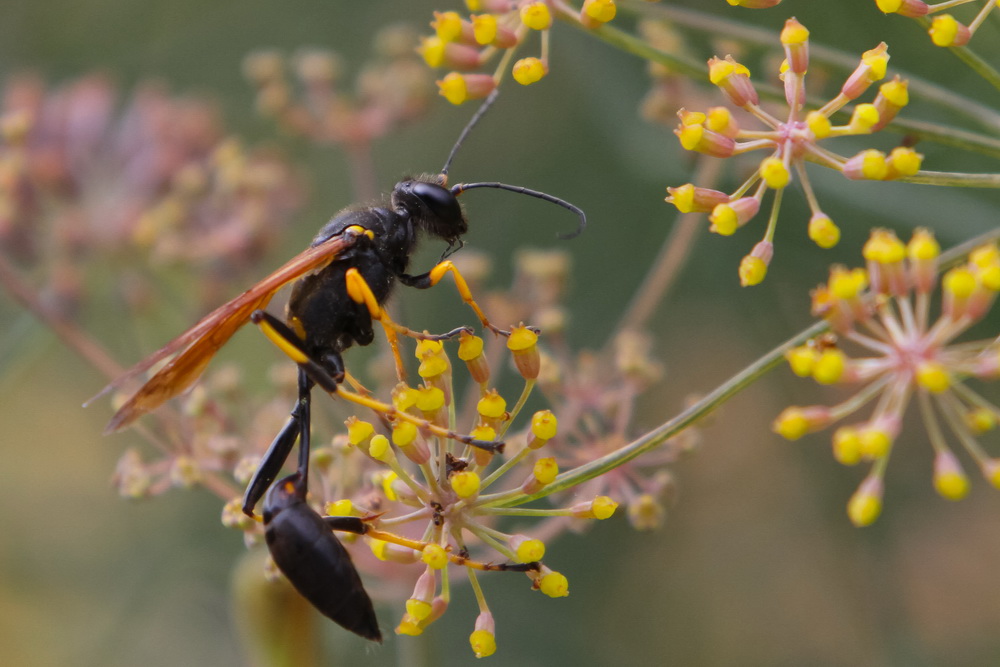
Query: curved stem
pixel 672 427
pixel 954 179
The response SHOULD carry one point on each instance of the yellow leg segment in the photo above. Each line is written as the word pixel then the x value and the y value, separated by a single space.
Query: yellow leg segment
pixel 438 272
pixel 360 292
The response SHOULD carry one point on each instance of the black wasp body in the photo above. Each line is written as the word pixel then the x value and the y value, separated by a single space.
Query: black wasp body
pixel 304 548
pixel 319 308
pixel 324 317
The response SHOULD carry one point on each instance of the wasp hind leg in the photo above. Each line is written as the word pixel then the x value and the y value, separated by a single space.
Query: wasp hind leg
pixel 434 276
pixel 279 334
pixel 297 427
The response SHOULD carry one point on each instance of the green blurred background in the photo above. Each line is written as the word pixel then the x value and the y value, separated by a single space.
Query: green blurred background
pixel 757 563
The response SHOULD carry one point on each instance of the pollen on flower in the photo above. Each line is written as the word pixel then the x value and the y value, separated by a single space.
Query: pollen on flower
pixel 728 217
pixel 403 433
pixel 822 230
pixel 536 15
pixel 981 420
pixel 434 556
pixel 432 367
pixel 529 70
pixel 720 119
pixel 432 51
pixel 847 446
pixel 465 483
pixel 949 480
pixel 904 162
pixel 418 609
pixel 458 88
pixel 910 8
pixel 774 172
pixel 959 283
pixel 409 626
pixel 688 198
pixel 896 92
pixel 523 343
pixel 734 80
pixel 802 359
pixel 430 399
pixel 342 507
pixel 545 470
pixel 864 118
pixel 492 405
pixel 946 31
pixel 819 124
pixel 603 508
pixel 874 442
pixel 527 549
pixel 795 422
pixel 380 449
pixel 865 505
pixel 923 246
pixel 447 25
pixel 933 376
pixel 544 425
pixel 847 284
pixel 484 643
pixel 554 584
pixel 597 12
pixel 752 271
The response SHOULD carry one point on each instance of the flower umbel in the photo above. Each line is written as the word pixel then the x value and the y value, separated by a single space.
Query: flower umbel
pixel 789 143
pixel 885 309
pixel 501 29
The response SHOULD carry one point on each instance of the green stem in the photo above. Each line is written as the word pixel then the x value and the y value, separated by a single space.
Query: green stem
pixel 672 427
pixel 638 47
pixel 954 179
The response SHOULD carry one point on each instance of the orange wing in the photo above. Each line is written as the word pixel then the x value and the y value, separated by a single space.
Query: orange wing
pixel 195 347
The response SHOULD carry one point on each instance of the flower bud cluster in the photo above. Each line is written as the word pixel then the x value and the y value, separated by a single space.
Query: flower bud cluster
pixel 884 309
pixel 498 29
pixel 789 143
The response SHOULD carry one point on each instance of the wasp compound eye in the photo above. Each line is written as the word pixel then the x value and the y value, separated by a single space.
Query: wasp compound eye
pixel 441 202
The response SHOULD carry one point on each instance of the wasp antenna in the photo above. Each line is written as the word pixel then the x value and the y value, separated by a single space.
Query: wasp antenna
pixel 468 128
pixel 462 187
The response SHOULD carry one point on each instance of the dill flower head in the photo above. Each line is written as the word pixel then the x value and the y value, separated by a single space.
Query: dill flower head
pixel 885 311
pixel 499 30
pixel 788 143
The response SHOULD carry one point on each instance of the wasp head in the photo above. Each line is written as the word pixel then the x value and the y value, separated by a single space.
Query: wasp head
pixel 432 207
